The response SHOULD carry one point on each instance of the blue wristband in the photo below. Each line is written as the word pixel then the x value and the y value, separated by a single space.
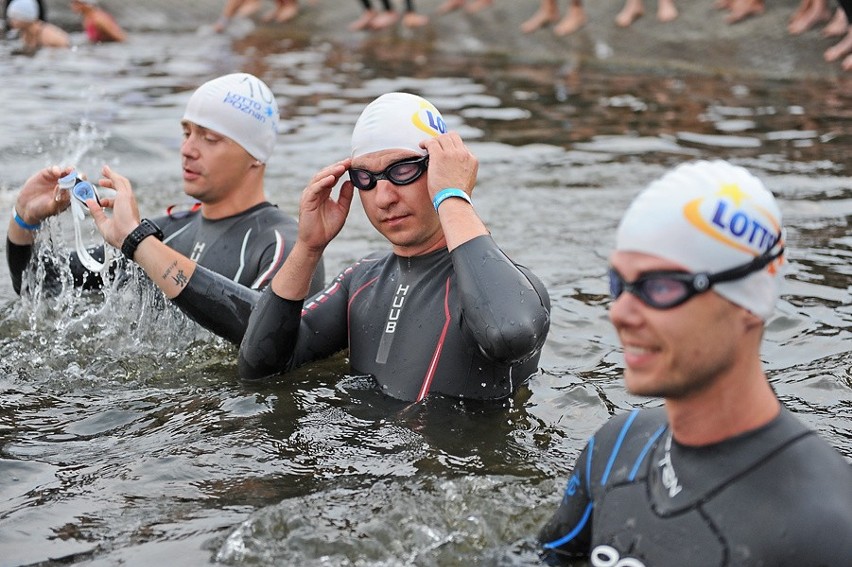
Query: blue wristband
pixel 22 223
pixel 445 194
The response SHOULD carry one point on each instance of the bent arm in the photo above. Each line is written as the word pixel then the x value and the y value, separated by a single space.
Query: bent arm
pixel 505 307
pixel 217 304
pixel 283 335
pixel 270 340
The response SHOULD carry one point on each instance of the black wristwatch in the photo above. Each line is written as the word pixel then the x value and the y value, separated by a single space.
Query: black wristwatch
pixel 145 229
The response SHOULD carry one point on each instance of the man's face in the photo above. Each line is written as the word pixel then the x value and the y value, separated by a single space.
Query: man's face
pixel 213 165
pixel 402 213
pixel 676 352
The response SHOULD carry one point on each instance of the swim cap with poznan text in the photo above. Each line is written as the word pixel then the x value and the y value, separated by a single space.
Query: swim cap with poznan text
pixel 239 106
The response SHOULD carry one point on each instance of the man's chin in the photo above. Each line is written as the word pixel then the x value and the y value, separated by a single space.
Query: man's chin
pixel 638 385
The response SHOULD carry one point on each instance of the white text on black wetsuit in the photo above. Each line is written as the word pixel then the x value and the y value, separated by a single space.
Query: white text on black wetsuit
pixel 391 323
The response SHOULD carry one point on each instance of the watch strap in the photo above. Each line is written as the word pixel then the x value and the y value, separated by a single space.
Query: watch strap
pixel 145 229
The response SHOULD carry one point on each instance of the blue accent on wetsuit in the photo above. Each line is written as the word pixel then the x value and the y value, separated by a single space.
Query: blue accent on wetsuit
pixel 779 495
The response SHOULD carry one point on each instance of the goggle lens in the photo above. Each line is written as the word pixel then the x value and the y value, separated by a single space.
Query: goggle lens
pixel 400 173
pixel 660 290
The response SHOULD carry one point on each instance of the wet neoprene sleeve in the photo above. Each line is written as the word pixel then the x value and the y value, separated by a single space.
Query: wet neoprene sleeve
pixel 17 257
pixel 217 303
pixel 262 352
pixel 505 328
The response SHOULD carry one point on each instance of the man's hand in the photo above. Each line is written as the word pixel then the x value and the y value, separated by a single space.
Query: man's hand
pixel 125 211
pixel 321 217
pixel 39 199
pixel 451 165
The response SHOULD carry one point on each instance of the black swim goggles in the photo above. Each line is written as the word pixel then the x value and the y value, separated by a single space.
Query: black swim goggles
pixel 402 172
pixel 664 289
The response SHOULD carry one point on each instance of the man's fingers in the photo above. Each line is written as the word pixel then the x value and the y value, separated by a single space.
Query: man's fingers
pixel 97 212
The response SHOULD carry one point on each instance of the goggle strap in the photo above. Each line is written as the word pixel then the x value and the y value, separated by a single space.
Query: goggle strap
pixel 742 271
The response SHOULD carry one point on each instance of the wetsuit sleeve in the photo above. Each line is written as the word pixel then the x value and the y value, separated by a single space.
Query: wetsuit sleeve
pixel 568 533
pixel 19 256
pixel 85 279
pixel 281 335
pixel 270 339
pixel 217 303
pixel 505 307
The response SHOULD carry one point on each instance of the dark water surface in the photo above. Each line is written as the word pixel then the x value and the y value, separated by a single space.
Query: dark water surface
pixel 125 435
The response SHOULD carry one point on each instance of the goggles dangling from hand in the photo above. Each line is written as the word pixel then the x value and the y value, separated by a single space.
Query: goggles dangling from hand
pixel 81 191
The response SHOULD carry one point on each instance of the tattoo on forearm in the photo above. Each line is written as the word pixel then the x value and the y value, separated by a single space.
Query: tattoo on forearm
pixel 180 279
pixel 169 270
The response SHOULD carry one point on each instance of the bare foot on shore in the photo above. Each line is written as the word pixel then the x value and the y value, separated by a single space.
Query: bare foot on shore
pixel 283 13
pixel 814 12
pixel 449 6
pixel 478 6
pixel 837 26
pixel 384 20
pixel 541 18
pixel 742 9
pixel 840 49
pixel 632 11
pixel 666 11
pixel 414 20
pixel 363 22
pixel 573 20
pixel 247 9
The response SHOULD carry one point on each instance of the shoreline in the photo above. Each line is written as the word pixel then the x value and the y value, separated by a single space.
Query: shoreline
pixel 697 42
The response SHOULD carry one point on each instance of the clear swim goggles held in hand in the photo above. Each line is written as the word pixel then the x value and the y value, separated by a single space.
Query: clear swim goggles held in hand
pixel 81 191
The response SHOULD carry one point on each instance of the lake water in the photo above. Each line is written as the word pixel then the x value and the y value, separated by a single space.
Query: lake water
pixel 125 434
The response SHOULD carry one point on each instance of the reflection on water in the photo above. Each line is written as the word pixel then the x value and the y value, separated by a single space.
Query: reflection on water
pixel 126 437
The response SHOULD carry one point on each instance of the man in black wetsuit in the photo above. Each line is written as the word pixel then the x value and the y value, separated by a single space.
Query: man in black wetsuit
pixel 213 260
pixel 723 474
pixel 445 312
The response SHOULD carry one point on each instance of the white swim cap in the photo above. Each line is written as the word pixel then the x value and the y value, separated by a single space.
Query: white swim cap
pixel 396 121
pixel 22 10
pixel 239 106
pixel 710 216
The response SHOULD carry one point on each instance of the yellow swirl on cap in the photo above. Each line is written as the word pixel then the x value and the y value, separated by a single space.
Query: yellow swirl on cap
pixel 417 120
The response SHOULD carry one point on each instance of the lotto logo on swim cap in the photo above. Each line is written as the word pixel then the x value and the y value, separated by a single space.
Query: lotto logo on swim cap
pixel 429 120
pixel 733 218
